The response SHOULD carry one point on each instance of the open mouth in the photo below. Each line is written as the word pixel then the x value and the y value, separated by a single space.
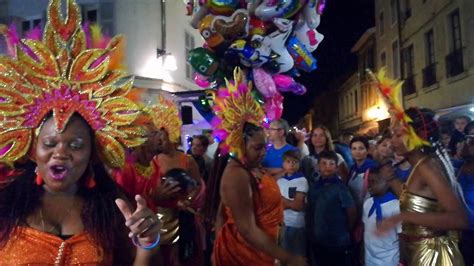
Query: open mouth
pixel 58 172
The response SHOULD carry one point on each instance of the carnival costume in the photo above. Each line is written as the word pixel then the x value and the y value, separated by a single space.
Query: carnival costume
pixel 422 245
pixel 234 107
pixel 64 72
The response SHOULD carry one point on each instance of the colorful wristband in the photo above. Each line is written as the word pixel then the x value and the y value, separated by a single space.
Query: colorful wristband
pixel 149 247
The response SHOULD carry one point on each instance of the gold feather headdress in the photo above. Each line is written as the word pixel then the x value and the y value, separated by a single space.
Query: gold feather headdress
pixel 63 74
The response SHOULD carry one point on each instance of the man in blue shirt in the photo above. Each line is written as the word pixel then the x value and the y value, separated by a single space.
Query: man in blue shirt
pixel 274 158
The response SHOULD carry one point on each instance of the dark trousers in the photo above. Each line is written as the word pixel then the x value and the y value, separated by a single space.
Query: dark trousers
pixel 332 256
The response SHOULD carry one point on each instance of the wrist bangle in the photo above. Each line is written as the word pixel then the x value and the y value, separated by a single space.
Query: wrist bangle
pixel 149 247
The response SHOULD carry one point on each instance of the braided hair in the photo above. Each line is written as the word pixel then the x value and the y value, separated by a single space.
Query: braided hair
pixel 426 126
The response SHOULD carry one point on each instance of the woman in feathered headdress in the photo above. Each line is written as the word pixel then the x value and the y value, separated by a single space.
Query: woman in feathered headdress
pixel 251 208
pixel 431 203
pixel 62 105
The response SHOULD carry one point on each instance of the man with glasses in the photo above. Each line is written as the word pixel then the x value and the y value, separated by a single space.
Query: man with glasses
pixel 277 136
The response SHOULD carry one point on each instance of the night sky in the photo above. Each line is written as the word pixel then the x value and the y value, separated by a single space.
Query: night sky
pixel 342 24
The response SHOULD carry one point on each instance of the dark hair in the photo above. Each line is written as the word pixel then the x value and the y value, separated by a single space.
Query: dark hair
pixel 328 155
pixel 292 154
pixel 100 216
pixel 360 139
pixel 465 117
pixel 203 139
pixel 469 127
pixel 424 123
pixel 386 135
pixel 250 130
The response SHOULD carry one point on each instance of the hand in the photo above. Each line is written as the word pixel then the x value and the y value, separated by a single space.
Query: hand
pixel 300 136
pixel 296 261
pixel 388 224
pixel 166 191
pixel 142 223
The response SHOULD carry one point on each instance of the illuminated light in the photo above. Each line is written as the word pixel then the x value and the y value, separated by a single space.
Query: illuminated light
pixel 377 113
pixel 471 109
pixel 170 63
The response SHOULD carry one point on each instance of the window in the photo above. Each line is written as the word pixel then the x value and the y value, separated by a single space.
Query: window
pixel 28 25
pixel 407 9
pixel 429 72
pixel 188 46
pixel 393 11
pixel 430 50
pixel 356 102
pixel 454 60
pixel 370 58
pixel 409 62
pixel 395 59
pixel 456 42
pixel 102 14
pixel 383 59
pixel 381 24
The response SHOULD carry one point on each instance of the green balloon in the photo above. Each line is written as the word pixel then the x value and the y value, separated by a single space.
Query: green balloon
pixel 257 96
pixel 203 61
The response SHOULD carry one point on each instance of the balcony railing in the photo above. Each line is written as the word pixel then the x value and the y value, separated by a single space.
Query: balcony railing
pixel 409 86
pixel 454 63
pixel 429 75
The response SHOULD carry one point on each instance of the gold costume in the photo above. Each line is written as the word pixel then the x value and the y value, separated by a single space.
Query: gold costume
pixel 422 245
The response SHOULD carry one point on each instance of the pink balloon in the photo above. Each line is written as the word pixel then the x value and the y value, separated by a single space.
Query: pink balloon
pixel 264 82
pixel 283 81
pixel 274 107
pixel 201 81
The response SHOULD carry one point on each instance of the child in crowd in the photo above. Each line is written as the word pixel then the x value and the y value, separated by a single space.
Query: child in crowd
pixel 293 187
pixel 380 250
pixel 402 168
pixel 330 216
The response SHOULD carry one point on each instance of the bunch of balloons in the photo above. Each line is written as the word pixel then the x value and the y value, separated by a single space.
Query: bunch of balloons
pixel 271 40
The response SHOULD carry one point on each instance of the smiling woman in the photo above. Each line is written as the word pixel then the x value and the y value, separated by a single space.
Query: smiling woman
pixel 64 108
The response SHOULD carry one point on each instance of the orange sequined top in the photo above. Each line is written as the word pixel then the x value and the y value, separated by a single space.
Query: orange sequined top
pixel 30 246
pixel 231 248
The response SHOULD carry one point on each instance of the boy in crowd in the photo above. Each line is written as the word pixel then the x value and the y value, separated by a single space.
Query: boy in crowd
pixel 293 187
pixel 330 216
pixel 458 132
pixel 380 250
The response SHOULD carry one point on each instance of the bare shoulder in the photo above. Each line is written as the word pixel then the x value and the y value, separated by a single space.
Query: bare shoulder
pixel 431 168
pixel 235 177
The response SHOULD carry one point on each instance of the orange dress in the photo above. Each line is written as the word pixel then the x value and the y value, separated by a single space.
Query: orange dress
pixel 134 181
pixel 30 246
pixel 231 248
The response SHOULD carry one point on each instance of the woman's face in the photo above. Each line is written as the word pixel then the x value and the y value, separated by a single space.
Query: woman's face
pixel 359 151
pixel 399 140
pixel 318 138
pixel 62 158
pixel 255 148
pixel 197 147
pixel 468 149
pixel 384 149
pixel 163 141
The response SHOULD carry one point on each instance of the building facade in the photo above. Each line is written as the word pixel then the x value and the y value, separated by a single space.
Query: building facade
pixel 430 45
pixel 158 35
pixel 361 110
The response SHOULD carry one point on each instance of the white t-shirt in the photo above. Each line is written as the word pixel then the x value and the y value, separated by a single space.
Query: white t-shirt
pixel 288 189
pixel 381 250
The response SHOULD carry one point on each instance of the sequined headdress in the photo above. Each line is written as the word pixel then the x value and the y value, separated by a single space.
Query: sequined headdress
pixel 165 114
pixel 63 72
pixel 234 106
pixel 390 90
